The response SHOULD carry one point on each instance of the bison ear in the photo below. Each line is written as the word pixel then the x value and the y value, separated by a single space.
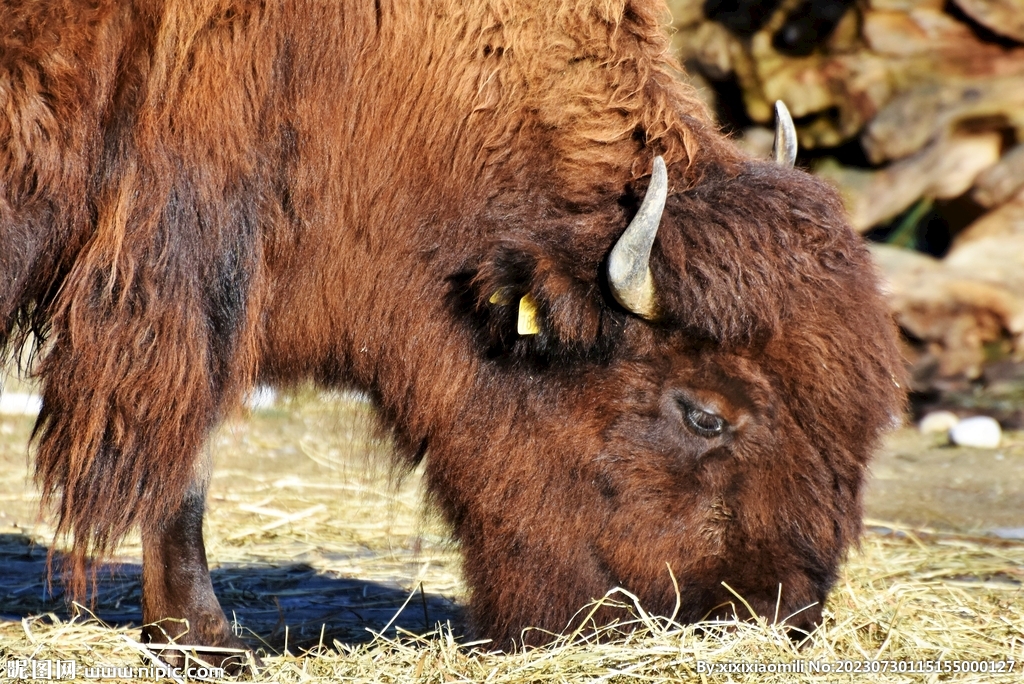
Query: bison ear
pixel 529 299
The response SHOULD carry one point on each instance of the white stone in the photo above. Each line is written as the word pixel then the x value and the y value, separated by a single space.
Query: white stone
pixel 262 398
pixel 979 431
pixel 938 421
pixel 16 404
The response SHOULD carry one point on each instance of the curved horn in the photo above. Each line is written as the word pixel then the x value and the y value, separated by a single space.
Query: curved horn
pixel 784 150
pixel 629 272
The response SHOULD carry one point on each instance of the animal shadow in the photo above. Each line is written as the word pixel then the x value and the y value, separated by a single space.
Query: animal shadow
pixel 273 605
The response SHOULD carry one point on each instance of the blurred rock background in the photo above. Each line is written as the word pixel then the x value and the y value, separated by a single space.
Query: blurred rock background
pixel 914 109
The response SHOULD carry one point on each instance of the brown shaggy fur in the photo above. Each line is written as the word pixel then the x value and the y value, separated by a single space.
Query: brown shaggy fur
pixel 198 193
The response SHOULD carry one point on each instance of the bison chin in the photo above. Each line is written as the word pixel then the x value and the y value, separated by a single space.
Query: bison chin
pixel 745 588
pixel 796 606
pixel 545 595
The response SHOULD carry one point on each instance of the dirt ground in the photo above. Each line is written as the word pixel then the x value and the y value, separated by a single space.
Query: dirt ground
pixel 922 481
pixel 305 527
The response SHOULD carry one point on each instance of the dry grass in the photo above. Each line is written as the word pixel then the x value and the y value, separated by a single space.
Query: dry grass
pixel 305 534
pixel 903 598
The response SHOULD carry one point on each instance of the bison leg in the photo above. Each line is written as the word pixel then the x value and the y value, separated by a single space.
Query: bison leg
pixel 178 603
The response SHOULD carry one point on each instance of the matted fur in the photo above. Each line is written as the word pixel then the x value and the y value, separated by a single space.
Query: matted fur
pixel 198 193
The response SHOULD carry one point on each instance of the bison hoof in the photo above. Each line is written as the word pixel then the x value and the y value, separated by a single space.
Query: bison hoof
pixel 221 649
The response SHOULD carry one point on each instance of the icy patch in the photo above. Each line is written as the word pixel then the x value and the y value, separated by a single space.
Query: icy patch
pixel 1009 532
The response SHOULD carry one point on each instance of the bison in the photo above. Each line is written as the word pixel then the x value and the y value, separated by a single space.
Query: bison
pixel 630 354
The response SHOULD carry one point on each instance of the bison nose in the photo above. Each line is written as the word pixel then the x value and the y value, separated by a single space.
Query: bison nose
pixel 801 623
pixel 798 617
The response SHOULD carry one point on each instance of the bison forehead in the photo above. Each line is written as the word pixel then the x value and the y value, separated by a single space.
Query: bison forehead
pixel 738 259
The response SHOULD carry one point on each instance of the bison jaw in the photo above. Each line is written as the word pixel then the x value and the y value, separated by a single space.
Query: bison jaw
pixel 629 271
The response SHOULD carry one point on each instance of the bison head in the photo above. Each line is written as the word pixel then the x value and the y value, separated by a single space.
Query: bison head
pixel 691 404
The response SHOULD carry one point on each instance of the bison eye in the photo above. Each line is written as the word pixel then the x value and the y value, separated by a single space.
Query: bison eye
pixel 703 423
